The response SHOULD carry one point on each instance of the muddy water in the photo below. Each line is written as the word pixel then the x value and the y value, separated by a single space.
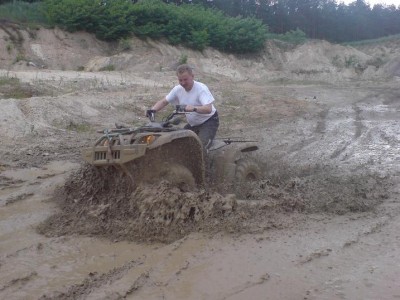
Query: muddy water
pixel 32 265
pixel 322 257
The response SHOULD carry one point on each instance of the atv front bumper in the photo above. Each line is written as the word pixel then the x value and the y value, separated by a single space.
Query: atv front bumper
pixel 105 156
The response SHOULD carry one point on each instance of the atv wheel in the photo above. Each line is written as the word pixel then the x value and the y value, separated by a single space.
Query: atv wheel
pixel 178 175
pixel 247 170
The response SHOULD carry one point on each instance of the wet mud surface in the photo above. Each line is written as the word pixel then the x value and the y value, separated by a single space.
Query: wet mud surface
pixel 323 223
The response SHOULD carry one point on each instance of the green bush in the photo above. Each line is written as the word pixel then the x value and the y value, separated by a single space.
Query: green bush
pixel 109 20
pixel 247 35
pixel 191 25
pixel 198 27
pixel 115 20
pixel 74 15
pixel 23 12
pixel 151 18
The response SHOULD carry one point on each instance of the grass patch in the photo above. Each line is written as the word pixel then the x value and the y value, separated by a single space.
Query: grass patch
pixel 11 87
pixel 108 68
pixel 5 80
pixel 19 57
pixel 78 127
pixel 183 59
pixel 19 94
pixel 9 48
pixel 124 44
pixel 350 61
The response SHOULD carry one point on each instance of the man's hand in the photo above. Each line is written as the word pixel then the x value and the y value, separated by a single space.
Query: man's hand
pixel 181 108
pixel 150 113
pixel 190 108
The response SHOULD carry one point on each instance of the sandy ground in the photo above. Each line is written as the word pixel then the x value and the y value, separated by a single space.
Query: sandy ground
pixel 324 223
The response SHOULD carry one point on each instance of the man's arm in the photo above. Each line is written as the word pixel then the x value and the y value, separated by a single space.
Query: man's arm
pixel 160 104
pixel 201 109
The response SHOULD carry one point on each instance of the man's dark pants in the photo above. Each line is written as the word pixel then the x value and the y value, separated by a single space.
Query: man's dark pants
pixel 206 131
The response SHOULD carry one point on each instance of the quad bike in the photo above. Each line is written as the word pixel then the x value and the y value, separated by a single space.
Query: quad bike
pixel 163 150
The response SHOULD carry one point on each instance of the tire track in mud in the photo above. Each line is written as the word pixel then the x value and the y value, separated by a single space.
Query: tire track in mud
pixel 387 215
pixel 246 286
pixel 127 280
pixel 322 126
pixel 321 123
pixel 319 129
pixel 151 273
pixel 370 257
pixel 9 191
pixel 350 129
pixel 13 190
pixel 94 282
pixel 389 212
pixel 392 97
pixel 359 128
pixel 358 122
pixel 17 283
pixel 372 118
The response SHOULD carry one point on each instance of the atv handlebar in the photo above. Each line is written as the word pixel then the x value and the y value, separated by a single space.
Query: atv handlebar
pixel 151 114
pixel 169 120
pixel 180 108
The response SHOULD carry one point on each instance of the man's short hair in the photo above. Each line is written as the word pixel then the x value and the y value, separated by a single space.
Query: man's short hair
pixel 184 68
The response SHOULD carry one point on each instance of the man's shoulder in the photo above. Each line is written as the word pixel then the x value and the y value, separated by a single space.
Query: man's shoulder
pixel 177 87
pixel 200 85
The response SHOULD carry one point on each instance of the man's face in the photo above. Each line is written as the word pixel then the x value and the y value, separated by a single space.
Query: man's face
pixel 186 80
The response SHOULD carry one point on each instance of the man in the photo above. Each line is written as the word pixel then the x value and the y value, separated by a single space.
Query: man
pixel 202 117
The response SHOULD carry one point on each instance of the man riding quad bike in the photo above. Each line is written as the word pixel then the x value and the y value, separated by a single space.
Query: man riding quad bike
pixel 165 151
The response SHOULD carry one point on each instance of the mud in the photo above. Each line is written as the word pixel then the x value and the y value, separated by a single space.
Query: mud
pixel 94 204
pixel 103 202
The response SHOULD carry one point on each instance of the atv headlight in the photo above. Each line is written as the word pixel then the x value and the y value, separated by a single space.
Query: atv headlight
pixel 148 139
pixel 104 142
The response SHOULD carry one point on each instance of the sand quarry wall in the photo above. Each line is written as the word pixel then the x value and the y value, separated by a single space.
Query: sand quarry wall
pixel 23 49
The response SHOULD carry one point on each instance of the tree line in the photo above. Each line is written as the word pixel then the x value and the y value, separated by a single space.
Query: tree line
pixel 237 26
pixel 318 19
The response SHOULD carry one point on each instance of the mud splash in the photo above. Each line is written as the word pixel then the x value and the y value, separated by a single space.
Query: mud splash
pixel 99 202
pixel 102 202
pixel 322 192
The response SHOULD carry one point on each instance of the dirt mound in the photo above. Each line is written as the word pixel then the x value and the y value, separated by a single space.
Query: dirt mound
pixel 47 48
pixel 314 60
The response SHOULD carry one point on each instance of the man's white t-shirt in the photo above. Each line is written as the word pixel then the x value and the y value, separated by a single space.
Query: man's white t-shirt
pixel 198 95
